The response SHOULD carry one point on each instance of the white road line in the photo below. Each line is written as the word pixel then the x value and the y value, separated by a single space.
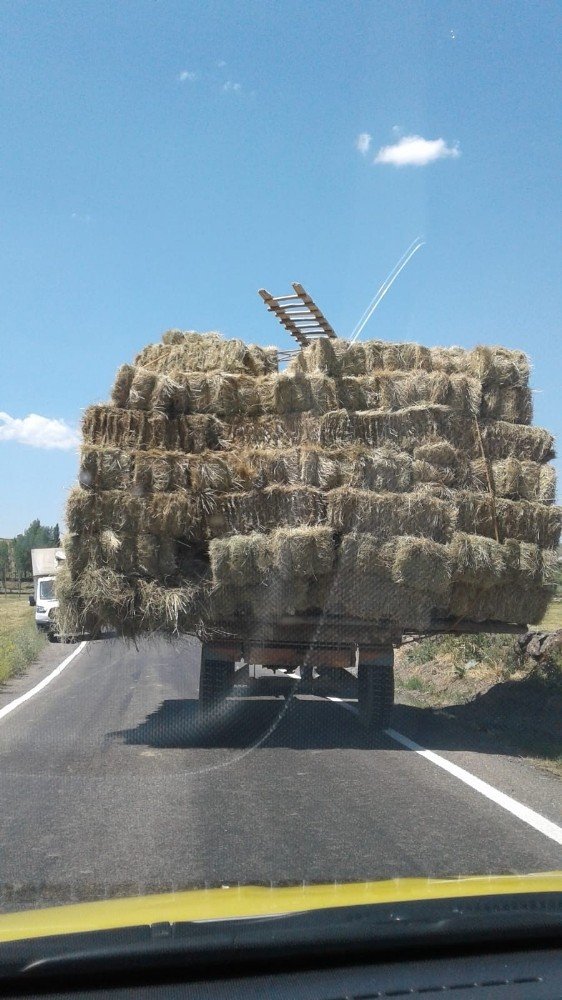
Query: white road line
pixel 526 815
pixel 42 684
pixel 344 704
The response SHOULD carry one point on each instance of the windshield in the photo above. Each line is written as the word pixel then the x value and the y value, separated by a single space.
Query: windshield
pixel 282 378
pixel 47 590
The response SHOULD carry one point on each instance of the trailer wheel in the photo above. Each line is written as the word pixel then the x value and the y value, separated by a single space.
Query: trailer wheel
pixel 376 692
pixel 215 684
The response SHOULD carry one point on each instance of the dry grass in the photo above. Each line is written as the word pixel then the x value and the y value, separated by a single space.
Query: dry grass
pixel 552 619
pixel 20 640
pixel 484 685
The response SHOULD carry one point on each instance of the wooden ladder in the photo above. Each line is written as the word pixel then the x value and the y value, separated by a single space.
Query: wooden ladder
pixel 299 314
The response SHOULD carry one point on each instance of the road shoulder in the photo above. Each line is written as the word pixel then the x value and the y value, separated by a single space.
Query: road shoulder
pixel 49 658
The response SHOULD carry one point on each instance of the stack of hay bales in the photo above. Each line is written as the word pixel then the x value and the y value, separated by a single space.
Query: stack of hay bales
pixel 391 483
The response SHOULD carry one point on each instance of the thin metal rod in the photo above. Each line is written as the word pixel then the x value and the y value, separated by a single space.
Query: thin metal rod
pixel 386 285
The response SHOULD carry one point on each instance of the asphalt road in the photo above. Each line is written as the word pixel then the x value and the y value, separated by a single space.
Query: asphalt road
pixel 108 785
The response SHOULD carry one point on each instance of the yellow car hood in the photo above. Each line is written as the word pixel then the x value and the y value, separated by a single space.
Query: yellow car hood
pixel 239 902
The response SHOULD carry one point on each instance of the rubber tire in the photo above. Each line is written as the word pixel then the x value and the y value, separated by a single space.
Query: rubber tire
pixel 376 695
pixel 215 684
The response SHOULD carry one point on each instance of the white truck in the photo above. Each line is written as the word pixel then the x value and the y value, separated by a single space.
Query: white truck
pixel 45 563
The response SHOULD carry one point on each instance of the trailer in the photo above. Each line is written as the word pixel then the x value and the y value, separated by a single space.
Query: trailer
pixel 317 655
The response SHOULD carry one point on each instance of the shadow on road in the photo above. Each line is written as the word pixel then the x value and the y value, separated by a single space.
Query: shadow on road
pixel 514 717
pixel 508 719
pixel 297 724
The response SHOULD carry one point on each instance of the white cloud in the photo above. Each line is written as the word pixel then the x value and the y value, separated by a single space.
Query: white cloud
pixel 229 85
pixel 79 217
pixel 185 75
pixel 363 142
pixel 221 64
pixel 38 432
pixel 413 151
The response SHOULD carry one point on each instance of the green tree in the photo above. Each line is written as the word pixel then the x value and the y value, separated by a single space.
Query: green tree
pixel 22 557
pixel 4 561
pixel 36 536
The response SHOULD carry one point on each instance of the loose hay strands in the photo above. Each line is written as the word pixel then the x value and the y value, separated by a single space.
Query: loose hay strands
pixel 173 610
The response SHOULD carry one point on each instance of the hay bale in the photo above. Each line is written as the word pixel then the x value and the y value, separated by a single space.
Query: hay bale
pixel 142 387
pixel 240 561
pixel 319 357
pixel 122 385
pixel 353 482
pixel 363 586
pixel 478 560
pixel 521 520
pixel 351 394
pixel 303 552
pixel 174 514
pixel 265 510
pixel 257 559
pixel 110 427
pixel 286 393
pixel 517 480
pixel 404 429
pixel 156 556
pixel 172 394
pixel 518 605
pixel 206 352
pixel 352 358
pixel 423 565
pixel 504 440
pixel 390 514
pixel 381 470
pixel 173 610
pixel 512 403
pixel 323 394
pixel 490 365
pixel 405 357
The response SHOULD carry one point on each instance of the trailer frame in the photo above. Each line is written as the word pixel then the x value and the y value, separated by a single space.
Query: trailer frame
pixel 320 647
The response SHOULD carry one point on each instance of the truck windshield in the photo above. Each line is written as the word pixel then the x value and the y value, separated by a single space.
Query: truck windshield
pixel 47 590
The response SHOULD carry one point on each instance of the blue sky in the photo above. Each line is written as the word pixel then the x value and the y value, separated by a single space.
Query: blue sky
pixel 164 160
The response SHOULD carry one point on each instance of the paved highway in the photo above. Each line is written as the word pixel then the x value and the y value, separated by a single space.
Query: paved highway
pixel 109 786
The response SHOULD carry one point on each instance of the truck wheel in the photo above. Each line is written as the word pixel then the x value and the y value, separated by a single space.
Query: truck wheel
pixel 376 692
pixel 215 684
